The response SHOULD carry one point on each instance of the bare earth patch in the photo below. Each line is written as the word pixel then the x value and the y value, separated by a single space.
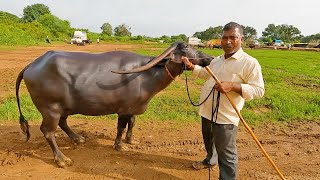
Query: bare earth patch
pixel 166 149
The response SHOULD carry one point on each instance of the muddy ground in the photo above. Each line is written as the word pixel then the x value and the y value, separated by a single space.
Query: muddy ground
pixel 166 149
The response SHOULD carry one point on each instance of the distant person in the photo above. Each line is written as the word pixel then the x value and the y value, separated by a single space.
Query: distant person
pixel 98 41
pixel 48 40
pixel 241 78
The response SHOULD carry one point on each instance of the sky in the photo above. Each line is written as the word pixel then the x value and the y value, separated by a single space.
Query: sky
pixel 155 18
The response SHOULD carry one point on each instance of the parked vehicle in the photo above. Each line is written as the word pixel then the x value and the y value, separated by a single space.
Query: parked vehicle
pixel 214 43
pixel 80 38
pixel 277 43
pixel 194 41
pixel 253 44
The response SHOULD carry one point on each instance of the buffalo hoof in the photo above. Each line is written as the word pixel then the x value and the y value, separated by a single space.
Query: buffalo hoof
pixel 120 147
pixel 63 161
pixel 79 140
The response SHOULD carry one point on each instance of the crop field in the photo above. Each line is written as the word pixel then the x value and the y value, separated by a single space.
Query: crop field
pixel 286 121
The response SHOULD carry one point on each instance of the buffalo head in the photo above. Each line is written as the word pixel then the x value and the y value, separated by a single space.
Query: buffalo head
pixel 174 54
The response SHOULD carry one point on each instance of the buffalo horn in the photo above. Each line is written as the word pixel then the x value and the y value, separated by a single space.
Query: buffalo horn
pixel 150 64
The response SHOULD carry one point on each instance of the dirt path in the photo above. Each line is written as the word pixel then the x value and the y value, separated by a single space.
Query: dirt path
pixel 166 150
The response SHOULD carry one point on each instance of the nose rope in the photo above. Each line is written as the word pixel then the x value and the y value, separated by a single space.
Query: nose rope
pixel 168 72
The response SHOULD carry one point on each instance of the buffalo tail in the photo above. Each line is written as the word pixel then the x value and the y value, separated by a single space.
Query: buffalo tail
pixel 23 122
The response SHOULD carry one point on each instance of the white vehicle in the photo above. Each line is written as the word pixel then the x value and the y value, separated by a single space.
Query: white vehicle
pixel 194 41
pixel 79 38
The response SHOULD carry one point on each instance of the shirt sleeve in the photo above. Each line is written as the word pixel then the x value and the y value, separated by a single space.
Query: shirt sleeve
pixel 200 72
pixel 254 87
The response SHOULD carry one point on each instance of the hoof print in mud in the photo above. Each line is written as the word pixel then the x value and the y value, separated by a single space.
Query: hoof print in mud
pixel 133 142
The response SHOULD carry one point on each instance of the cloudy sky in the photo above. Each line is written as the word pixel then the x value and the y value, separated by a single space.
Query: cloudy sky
pixel 155 18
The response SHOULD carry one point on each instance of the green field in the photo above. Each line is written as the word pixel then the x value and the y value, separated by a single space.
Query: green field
pixel 292 82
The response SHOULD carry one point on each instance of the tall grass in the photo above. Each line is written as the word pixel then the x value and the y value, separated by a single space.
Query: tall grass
pixel 292 82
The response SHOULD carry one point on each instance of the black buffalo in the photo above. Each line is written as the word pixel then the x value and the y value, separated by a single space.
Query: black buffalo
pixel 118 82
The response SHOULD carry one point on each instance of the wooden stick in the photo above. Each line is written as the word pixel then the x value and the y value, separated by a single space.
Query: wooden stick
pixel 246 125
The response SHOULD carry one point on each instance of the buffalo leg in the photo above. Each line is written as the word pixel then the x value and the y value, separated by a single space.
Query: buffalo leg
pixel 129 138
pixel 48 128
pixel 122 123
pixel 72 135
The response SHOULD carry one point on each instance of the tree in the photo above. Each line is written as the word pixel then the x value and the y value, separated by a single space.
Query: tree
pixel 314 37
pixel 6 17
pixel 284 32
pixel 55 25
pixel 210 33
pixel 106 29
pixel 270 33
pixel 122 30
pixel 165 39
pixel 289 33
pixel 33 12
pixel 249 33
pixel 180 37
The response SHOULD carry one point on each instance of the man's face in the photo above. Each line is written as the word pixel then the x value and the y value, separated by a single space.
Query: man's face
pixel 231 40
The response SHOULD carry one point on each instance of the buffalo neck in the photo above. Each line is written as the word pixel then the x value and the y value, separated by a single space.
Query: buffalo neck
pixel 173 69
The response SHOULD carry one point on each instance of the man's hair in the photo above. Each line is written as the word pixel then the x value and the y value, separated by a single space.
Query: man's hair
pixel 232 25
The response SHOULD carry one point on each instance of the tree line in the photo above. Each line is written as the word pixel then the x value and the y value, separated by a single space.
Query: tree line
pixel 38 22
pixel 284 32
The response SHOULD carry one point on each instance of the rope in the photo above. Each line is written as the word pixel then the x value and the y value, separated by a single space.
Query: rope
pixel 187 87
pixel 214 110
pixel 168 72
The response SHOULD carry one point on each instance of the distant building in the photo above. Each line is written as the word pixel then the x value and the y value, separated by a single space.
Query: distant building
pixel 302 45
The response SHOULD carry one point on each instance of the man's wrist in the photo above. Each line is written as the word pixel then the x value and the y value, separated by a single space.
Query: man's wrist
pixel 190 66
pixel 236 87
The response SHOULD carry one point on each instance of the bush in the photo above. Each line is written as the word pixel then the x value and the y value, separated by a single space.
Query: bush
pixel 22 33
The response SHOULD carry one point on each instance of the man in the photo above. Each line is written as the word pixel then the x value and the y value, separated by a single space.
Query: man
pixel 241 77
pixel 48 40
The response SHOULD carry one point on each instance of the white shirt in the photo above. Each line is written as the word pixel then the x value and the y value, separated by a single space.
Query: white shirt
pixel 240 68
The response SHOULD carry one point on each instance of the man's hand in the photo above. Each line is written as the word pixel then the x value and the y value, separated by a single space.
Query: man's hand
pixel 186 61
pixel 226 87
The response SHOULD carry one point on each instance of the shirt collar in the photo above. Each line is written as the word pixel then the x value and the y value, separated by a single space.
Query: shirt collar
pixel 236 55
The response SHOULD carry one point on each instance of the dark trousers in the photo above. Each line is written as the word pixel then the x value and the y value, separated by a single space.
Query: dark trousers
pixel 221 147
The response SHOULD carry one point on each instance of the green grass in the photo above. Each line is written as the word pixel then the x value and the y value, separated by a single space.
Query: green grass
pixel 292 82
pixel 9 108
